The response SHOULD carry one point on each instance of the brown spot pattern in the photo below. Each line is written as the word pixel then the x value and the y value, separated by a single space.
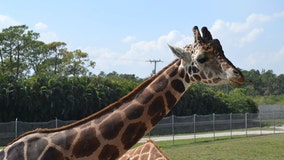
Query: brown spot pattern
pixel 52 153
pixel 216 80
pixel 172 71
pixel 178 85
pixel 202 75
pixel 2 154
pixel 178 63
pixel 156 106
pixel 35 146
pixel 157 110
pixel 16 151
pixel 189 70
pixel 86 144
pixel 210 75
pixel 187 79
pixel 145 97
pixel 109 152
pixel 160 84
pixel 134 111
pixel 132 134
pixel 181 73
pixel 171 100
pixel 197 77
pixel 111 127
pixel 64 140
pixel 194 69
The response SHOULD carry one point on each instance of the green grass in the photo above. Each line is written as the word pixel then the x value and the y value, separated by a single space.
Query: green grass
pixel 224 148
pixel 273 99
pixel 252 148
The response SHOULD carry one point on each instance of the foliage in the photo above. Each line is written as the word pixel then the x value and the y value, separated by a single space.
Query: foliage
pixel 201 99
pixel 271 99
pixel 43 98
pixel 22 55
pixel 263 83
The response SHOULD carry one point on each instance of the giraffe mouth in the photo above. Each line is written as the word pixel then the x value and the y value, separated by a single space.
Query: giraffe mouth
pixel 235 77
pixel 236 84
pixel 237 81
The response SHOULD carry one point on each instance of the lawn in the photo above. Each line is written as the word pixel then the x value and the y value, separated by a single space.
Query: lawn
pixel 242 148
pixel 248 148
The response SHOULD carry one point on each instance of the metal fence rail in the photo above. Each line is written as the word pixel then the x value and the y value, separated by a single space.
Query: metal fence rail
pixel 201 126
pixel 195 126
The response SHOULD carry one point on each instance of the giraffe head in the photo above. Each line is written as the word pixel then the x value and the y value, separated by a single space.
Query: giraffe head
pixel 205 61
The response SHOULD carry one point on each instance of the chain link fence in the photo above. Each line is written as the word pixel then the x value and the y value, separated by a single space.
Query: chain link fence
pixel 11 130
pixel 175 127
pixel 215 125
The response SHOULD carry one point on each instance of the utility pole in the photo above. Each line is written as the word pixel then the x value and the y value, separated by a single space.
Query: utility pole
pixel 155 64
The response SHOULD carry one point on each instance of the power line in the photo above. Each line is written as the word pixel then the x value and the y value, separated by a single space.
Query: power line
pixel 155 61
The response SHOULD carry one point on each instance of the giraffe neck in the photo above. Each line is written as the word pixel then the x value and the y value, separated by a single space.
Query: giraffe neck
pixel 109 133
pixel 122 126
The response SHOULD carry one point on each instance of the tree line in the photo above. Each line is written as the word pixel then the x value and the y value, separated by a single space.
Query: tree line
pixel 23 55
pixel 40 81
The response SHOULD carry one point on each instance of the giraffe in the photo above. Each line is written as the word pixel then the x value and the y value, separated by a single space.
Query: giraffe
pixel 147 151
pixel 109 133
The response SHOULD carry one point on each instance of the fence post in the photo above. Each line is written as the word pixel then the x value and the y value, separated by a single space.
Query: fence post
pixel 16 127
pixel 213 117
pixel 274 123
pixel 56 122
pixel 194 129
pixel 246 123
pixel 173 128
pixel 231 125
pixel 260 127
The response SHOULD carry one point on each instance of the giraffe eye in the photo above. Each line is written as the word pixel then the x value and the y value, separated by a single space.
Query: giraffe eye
pixel 202 60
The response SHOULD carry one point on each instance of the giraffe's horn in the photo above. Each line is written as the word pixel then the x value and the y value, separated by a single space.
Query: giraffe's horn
pixel 206 34
pixel 197 36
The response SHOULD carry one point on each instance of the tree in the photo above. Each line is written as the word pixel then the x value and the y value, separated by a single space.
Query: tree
pixel 54 63
pixel 37 54
pixel 14 42
pixel 75 63
pixel 200 99
pixel 238 102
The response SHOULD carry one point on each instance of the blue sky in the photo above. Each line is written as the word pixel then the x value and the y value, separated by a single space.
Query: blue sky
pixel 122 35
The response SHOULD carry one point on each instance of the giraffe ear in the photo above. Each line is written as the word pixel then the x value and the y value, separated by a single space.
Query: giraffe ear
pixel 179 53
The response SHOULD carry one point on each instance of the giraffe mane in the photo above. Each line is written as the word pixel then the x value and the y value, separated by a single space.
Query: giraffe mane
pixel 106 109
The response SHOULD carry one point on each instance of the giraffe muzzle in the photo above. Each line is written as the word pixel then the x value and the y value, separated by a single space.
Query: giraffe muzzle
pixel 236 77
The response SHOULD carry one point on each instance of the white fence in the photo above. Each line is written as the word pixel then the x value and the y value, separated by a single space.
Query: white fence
pixel 177 127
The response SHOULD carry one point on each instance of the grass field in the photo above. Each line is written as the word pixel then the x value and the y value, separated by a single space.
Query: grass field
pixel 247 148
pixel 266 147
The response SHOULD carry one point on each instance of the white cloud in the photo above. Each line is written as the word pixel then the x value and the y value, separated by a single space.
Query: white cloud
pixel 104 58
pixel 48 36
pixel 128 39
pixel 40 26
pixel 252 21
pixel 45 35
pixel 144 50
pixel 280 55
pixel 134 59
pixel 239 34
pixel 265 60
pixel 6 21
pixel 278 15
pixel 250 36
